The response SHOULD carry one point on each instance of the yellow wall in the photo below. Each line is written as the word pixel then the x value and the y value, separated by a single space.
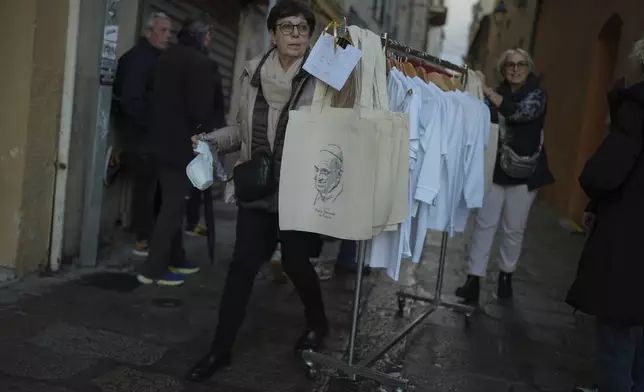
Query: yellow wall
pixel 32 40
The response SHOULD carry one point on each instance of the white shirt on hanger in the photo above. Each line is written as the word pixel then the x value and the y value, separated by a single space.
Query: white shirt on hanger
pixel 473 162
pixel 435 211
pixel 386 248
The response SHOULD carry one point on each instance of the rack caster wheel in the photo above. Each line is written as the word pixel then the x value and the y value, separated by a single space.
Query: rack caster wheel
pixel 310 371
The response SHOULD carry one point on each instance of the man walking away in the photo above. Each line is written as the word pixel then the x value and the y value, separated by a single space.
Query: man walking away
pixel 182 106
pixel 132 92
pixel 196 197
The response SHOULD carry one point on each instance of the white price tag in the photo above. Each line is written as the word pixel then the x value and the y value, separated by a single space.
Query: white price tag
pixel 330 64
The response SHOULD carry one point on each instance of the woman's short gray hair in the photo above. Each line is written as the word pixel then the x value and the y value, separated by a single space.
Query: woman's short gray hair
pixel 152 19
pixel 637 54
pixel 503 60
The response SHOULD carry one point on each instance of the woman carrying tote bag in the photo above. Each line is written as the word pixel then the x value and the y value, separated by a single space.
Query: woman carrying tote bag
pixel 272 85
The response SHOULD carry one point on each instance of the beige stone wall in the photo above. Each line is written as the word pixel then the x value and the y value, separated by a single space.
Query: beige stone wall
pixel 513 31
pixel 33 35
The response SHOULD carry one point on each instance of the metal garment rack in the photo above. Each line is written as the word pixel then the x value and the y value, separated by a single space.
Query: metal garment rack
pixel 362 370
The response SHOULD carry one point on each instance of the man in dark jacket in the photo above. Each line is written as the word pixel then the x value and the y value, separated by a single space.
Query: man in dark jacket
pixel 182 106
pixel 610 273
pixel 194 201
pixel 132 90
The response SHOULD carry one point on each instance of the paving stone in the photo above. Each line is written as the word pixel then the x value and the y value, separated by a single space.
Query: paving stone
pixel 9 385
pixel 125 379
pixel 78 340
pixel 23 360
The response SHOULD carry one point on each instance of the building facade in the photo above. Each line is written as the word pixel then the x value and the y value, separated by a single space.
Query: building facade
pixel 493 33
pixel 480 9
pixel 33 41
pixel 592 40
pixel 598 38
pixel 53 108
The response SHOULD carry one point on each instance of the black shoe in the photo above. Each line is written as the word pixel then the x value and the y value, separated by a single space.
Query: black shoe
pixel 353 268
pixel 311 340
pixel 208 366
pixel 504 289
pixel 470 290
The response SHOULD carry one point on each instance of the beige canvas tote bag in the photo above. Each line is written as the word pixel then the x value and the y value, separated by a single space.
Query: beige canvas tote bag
pixel 392 171
pixel 330 161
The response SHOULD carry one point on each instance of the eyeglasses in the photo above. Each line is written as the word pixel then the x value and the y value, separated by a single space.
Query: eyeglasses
pixel 519 65
pixel 288 28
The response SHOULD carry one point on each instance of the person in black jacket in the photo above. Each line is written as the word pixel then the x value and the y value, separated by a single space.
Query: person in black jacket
pixel 194 201
pixel 182 106
pixel 132 90
pixel 609 277
pixel 519 106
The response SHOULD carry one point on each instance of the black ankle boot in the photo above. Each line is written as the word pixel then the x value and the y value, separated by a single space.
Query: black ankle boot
pixel 504 289
pixel 311 339
pixel 208 366
pixel 470 290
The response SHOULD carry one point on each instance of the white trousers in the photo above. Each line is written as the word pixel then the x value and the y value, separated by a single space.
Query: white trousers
pixel 513 203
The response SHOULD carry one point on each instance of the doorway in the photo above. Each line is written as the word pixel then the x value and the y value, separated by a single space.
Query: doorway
pixel 602 63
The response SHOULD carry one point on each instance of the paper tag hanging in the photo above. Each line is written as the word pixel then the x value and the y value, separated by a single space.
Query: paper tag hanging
pixel 331 63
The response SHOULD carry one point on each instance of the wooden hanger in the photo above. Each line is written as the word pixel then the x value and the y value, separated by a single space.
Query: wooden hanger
pixel 421 73
pixel 448 82
pixel 437 79
pixel 409 70
pixel 457 84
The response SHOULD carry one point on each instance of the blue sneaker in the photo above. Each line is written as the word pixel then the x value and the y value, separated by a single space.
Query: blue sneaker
pixel 185 268
pixel 168 279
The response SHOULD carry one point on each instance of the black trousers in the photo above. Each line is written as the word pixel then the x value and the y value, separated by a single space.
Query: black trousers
pixel 193 207
pixel 166 244
pixel 257 232
pixel 146 197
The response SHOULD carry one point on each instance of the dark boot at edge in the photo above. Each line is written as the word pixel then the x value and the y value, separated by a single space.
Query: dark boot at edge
pixel 470 290
pixel 504 289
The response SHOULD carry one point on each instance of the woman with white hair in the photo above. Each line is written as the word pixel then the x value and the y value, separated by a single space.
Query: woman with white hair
pixel 609 277
pixel 519 107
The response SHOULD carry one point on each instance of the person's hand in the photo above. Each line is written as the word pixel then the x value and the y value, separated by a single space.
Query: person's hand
pixel 588 220
pixel 195 140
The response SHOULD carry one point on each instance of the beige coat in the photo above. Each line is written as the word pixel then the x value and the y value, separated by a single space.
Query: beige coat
pixel 237 137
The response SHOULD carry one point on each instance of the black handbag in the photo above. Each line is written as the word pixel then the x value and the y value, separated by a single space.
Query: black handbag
pixel 255 179
pixel 513 164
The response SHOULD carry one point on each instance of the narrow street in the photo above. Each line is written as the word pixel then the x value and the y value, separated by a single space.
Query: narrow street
pixel 73 333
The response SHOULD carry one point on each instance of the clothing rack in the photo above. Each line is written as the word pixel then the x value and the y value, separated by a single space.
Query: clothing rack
pixel 362 370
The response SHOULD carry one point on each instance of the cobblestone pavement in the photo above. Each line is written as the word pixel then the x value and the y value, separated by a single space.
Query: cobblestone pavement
pixel 70 333
pixel 528 344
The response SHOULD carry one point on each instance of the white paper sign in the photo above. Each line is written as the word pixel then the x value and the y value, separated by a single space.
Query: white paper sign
pixel 332 65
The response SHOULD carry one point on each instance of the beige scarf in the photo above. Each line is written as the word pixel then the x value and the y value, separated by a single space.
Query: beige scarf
pixel 276 87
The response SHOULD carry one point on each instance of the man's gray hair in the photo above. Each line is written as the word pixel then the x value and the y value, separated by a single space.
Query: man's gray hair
pixel 152 19
pixel 637 54
pixel 198 27
pixel 503 60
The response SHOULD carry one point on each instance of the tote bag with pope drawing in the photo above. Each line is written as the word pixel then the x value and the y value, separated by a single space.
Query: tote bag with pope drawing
pixel 327 176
